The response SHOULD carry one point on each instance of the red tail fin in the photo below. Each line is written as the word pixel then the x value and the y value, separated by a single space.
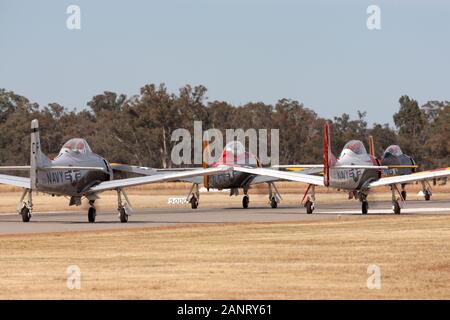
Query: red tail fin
pixel 326 155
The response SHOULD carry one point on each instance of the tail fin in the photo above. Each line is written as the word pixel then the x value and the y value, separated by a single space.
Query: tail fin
pixel 37 158
pixel 205 162
pixel 327 155
pixel 371 146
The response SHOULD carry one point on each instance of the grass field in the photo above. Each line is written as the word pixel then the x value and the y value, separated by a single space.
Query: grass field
pixel 326 259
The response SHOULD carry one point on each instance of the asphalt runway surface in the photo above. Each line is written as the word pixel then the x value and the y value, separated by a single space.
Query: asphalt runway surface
pixel 77 221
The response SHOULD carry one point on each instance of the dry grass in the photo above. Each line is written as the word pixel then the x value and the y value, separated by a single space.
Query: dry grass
pixel 245 261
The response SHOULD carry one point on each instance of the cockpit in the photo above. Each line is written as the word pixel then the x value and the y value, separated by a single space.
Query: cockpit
pixel 76 145
pixel 234 153
pixel 235 148
pixel 393 150
pixel 355 146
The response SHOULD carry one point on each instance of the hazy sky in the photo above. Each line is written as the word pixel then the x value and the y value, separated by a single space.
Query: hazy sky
pixel 318 52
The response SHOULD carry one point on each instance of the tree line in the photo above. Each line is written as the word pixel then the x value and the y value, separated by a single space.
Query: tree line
pixel 137 129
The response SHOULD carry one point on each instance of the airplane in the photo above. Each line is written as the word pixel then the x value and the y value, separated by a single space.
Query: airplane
pixel 78 173
pixel 233 155
pixel 355 171
pixel 393 156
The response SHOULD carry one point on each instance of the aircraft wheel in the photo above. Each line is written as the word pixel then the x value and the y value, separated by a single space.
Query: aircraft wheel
pixel 309 207
pixel 123 215
pixel 26 214
pixel 194 203
pixel 91 215
pixel 245 201
pixel 397 208
pixel 404 195
pixel 365 207
pixel 273 203
pixel 427 196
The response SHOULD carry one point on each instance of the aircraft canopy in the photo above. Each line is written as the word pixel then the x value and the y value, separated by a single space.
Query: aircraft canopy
pixel 394 150
pixel 355 146
pixel 77 145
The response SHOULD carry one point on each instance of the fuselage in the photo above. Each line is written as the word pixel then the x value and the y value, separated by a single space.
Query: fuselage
pixel 233 155
pixel 73 182
pixel 353 153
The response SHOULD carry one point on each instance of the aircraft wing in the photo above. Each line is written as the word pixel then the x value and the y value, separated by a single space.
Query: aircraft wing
pixel 424 175
pixel 15 181
pixel 163 177
pixel 350 166
pixel 282 175
pixel 15 168
pixel 27 168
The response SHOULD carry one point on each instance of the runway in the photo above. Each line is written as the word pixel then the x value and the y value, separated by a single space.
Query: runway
pixel 77 221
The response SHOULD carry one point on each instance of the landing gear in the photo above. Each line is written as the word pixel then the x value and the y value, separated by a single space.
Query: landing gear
pixel 25 208
pixel 195 196
pixel 396 207
pixel 309 205
pixel 194 202
pixel 426 189
pixel 273 203
pixel 123 215
pixel 310 199
pixel 26 214
pixel 245 201
pixel 364 203
pixel 403 193
pixel 92 212
pixel 274 195
pixel 124 207
pixel 365 207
